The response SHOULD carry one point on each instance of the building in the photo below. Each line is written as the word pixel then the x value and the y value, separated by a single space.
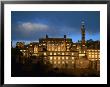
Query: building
pixel 62 52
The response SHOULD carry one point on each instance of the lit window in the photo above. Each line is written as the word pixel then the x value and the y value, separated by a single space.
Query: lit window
pixel 67 44
pixel 54 62
pixel 62 53
pixel 66 53
pixel 54 58
pixel 72 53
pixel 50 58
pixel 63 62
pixel 89 53
pixel 92 56
pixel 44 53
pixel 54 53
pixel 95 53
pixel 92 50
pixel 50 53
pixel 72 62
pixel 43 44
pixel 66 61
pixel 81 62
pixel 58 62
pixel 58 58
pixel 62 57
pixel 24 54
pixel 44 62
pixel 21 50
pixel 92 53
pixel 73 58
pixel 66 57
pixel 58 53
pixel 95 56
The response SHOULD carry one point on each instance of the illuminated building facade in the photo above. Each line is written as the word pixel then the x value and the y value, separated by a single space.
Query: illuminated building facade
pixel 58 51
pixel 62 52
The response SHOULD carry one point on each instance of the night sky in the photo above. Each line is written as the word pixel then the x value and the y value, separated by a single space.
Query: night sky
pixel 31 25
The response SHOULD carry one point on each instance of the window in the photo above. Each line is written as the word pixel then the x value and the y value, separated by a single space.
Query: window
pixel 58 62
pixel 58 58
pixel 63 58
pixel 58 53
pixel 66 57
pixel 66 53
pixel 54 53
pixel 51 62
pixel 62 53
pixel 63 62
pixel 72 53
pixel 54 58
pixel 44 53
pixel 95 52
pixel 67 62
pixel 54 62
pixel 72 62
pixel 92 56
pixel 50 53
pixel 89 56
pixel 72 58
pixel 50 58
pixel 95 56
pixel 89 53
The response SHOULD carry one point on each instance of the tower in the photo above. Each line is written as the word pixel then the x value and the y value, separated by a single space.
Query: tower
pixel 83 45
pixel 83 34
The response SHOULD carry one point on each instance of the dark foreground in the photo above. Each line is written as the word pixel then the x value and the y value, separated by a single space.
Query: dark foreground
pixel 39 70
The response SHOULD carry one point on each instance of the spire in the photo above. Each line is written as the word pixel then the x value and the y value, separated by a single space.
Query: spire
pixel 82 23
pixel 46 36
pixel 83 32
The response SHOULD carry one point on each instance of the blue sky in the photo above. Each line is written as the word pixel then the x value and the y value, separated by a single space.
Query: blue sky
pixel 32 25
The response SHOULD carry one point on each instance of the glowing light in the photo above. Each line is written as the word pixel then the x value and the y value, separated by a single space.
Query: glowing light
pixel 50 53
pixel 50 58
pixel 54 62
pixel 72 53
pixel 44 53
pixel 54 58
pixel 92 56
pixel 72 57
pixel 72 62
pixel 58 62
pixel 63 62
pixel 62 57
pixel 62 53
pixel 54 53
pixel 58 58
pixel 66 57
